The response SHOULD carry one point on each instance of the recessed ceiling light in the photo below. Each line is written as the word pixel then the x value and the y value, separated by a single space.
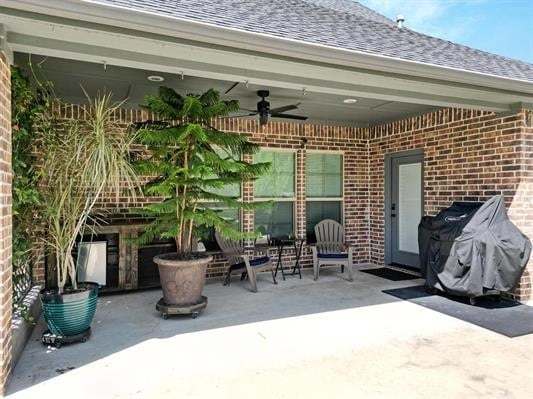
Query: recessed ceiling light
pixel 350 101
pixel 155 78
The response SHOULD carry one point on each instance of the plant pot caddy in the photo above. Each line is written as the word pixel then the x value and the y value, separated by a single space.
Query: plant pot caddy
pixel 182 282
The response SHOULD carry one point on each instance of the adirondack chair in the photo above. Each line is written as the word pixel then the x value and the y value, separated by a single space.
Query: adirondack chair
pixel 241 263
pixel 330 248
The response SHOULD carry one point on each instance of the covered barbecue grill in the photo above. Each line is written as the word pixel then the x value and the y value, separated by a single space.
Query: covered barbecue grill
pixel 472 249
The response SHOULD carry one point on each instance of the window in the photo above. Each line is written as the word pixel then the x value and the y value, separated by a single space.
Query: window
pixel 278 185
pixel 207 234
pixel 324 190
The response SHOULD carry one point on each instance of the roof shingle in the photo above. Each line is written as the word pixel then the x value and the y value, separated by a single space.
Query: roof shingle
pixel 341 24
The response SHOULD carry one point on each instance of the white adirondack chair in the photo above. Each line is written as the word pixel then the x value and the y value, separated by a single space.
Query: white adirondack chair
pixel 330 248
pixel 241 263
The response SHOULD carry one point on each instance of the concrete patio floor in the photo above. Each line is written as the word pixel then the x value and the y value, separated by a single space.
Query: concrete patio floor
pixel 299 339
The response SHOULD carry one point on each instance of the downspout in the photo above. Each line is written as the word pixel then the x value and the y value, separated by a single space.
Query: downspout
pixel 368 211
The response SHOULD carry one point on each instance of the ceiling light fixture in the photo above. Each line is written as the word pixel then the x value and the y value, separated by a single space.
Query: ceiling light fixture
pixel 155 78
pixel 350 101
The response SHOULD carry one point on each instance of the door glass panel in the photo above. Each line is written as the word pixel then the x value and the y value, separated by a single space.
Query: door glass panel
pixel 409 206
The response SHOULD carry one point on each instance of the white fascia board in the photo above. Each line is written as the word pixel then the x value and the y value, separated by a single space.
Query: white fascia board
pixel 93 11
pixel 4 46
pixel 81 43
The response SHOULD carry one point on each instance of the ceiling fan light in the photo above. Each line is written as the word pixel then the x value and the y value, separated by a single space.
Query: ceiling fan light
pixel 263 119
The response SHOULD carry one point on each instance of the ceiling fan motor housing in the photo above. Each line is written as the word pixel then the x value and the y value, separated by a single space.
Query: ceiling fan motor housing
pixel 263 106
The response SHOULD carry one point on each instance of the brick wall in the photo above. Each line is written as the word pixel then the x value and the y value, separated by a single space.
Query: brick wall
pixel 5 222
pixel 468 155
pixel 274 135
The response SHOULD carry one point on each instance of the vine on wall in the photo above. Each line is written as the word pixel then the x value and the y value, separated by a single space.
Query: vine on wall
pixel 27 106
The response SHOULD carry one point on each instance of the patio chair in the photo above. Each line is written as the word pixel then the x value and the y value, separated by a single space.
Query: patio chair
pixel 234 252
pixel 330 248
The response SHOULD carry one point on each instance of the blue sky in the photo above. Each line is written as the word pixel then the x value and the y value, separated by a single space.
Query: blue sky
pixel 503 27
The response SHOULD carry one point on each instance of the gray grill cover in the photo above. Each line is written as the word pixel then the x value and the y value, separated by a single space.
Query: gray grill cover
pixel 471 248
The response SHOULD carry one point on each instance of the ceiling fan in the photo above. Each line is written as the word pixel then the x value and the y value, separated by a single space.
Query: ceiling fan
pixel 264 111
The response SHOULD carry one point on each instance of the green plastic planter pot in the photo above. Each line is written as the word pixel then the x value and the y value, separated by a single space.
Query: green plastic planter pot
pixel 70 313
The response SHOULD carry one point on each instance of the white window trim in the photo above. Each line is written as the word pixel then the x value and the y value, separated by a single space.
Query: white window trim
pixel 324 199
pixel 340 152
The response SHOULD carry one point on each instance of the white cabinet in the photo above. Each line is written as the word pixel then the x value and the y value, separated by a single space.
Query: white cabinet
pixel 92 262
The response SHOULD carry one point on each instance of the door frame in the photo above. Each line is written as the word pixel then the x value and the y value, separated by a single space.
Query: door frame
pixel 388 195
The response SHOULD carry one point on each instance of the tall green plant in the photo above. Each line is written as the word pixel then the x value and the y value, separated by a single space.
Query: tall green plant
pixel 82 160
pixel 192 161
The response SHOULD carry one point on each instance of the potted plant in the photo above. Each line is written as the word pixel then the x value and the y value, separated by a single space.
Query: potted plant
pixel 191 162
pixel 81 160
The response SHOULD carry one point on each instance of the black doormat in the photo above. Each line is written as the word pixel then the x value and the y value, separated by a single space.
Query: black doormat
pixel 505 317
pixel 390 274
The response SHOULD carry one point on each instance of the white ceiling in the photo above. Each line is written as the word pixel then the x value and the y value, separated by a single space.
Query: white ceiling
pixel 132 84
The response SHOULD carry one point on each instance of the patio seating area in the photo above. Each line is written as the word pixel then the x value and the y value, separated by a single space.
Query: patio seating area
pixel 153 152
pixel 329 338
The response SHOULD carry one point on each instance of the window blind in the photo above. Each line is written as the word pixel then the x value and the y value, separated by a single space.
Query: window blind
pixel 324 175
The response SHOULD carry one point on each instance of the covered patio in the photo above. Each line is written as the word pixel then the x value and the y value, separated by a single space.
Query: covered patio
pixel 330 338
pixel 459 120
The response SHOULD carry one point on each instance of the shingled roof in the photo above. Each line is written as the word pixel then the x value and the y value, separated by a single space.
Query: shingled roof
pixel 343 24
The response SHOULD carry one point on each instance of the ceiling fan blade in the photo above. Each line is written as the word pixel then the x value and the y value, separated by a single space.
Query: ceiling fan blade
pixel 232 87
pixel 249 110
pixel 289 116
pixel 237 116
pixel 284 108
pixel 150 124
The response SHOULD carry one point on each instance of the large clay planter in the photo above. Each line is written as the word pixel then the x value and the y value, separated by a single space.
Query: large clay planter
pixel 182 281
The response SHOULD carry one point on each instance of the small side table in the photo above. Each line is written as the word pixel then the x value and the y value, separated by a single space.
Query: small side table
pixel 281 244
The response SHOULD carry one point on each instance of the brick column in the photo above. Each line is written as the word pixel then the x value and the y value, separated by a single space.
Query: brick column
pixel 5 222
pixel 300 193
pixel 521 210
pixel 248 196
